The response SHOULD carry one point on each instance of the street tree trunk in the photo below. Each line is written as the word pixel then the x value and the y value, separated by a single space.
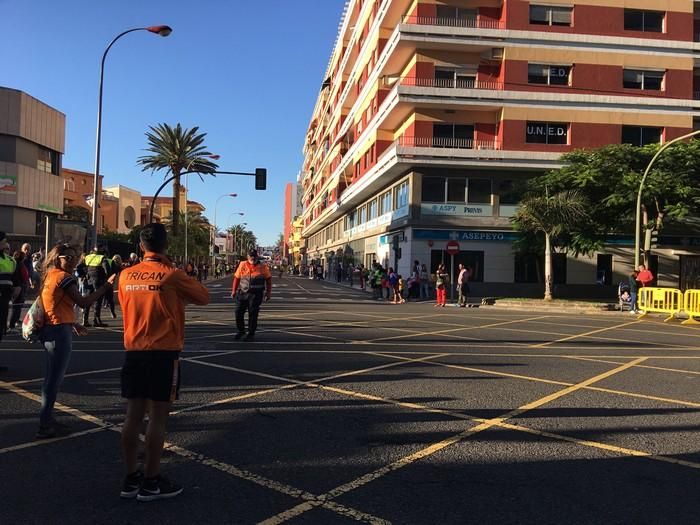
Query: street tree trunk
pixel 547 268
pixel 176 204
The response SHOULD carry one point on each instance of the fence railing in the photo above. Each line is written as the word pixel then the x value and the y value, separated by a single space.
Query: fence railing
pixel 454 83
pixel 446 142
pixel 467 22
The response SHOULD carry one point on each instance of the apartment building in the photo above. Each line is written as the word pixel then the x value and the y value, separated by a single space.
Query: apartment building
pixel 32 142
pixel 431 110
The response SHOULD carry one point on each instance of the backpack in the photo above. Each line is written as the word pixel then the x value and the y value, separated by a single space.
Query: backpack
pixel 34 321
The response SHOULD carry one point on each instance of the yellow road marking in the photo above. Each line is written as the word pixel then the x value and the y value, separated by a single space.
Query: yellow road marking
pixel 650 367
pixel 541 345
pixel 436 447
pixel 553 382
pixel 441 332
pixel 293 382
pixel 199 458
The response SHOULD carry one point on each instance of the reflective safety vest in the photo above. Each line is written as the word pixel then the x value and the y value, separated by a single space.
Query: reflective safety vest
pixel 253 278
pixel 94 260
pixel 8 265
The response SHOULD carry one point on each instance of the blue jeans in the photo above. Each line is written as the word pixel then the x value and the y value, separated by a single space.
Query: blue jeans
pixel 633 300
pixel 58 343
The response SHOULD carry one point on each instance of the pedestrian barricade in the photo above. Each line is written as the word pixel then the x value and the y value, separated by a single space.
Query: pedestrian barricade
pixel 691 306
pixel 660 300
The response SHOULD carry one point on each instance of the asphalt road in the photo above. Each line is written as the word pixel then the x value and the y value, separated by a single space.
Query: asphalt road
pixel 346 409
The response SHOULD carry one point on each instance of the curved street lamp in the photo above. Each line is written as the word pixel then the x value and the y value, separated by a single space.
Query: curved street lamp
pixel 638 220
pixel 161 30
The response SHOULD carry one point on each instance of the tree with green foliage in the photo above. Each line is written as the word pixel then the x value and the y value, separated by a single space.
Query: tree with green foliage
pixel 550 215
pixel 609 178
pixel 198 235
pixel 178 150
pixel 244 239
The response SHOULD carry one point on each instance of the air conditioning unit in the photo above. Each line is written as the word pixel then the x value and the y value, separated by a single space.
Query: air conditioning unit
pixel 497 53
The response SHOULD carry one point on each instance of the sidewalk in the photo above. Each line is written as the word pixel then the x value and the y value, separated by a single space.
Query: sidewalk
pixel 489 303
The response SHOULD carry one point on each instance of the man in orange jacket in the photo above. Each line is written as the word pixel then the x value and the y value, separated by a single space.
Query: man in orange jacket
pixel 249 281
pixel 152 295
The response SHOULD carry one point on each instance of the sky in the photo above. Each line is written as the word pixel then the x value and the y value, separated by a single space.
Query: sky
pixel 246 72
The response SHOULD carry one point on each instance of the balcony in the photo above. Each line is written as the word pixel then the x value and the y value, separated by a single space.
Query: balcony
pixel 445 83
pixel 469 22
pixel 408 141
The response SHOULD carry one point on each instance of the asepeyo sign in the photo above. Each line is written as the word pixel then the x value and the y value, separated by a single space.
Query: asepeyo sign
pixel 457 210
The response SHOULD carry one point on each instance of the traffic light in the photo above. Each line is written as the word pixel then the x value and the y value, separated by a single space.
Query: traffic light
pixel 260 178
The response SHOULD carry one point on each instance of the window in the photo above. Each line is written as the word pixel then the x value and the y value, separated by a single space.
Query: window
pixel 641 135
pixel 604 266
pixel 47 161
pixel 350 220
pixel 479 191
pixel 362 215
pixel 509 193
pixel 385 203
pixel 456 16
pixel 550 15
pixel 641 79
pixel 433 189
pixel 456 189
pixel 546 133
pixel 401 195
pixel 453 136
pixel 548 74
pixel 638 20
pixel 450 77
pixel 372 210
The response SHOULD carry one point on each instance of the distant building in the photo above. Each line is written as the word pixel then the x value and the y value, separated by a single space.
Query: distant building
pixel 128 207
pixel 32 142
pixel 163 207
pixel 77 193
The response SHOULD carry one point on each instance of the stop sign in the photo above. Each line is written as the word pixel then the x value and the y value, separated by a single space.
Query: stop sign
pixel 452 247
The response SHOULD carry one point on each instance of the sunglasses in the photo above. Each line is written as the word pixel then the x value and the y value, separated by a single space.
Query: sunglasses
pixel 68 258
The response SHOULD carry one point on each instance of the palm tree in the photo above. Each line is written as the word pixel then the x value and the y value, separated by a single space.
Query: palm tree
pixel 245 239
pixel 551 215
pixel 178 149
pixel 198 232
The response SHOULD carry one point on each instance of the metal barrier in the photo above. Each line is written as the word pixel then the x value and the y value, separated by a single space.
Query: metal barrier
pixel 691 306
pixel 660 300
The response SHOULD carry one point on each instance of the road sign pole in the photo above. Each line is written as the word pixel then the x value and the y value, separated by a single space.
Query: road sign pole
pixel 452 278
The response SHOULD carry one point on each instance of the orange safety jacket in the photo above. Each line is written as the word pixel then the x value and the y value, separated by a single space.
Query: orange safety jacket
pixel 153 295
pixel 252 278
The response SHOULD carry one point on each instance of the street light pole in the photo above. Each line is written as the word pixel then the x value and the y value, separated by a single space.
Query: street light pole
pixel 187 197
pixel 638 219
pixel 161 30
pixel 214 231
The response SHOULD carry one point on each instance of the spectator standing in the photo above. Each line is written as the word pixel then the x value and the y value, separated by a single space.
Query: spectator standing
pixel 441 283
pixel 424 282
pixel 153 295
pixel 19 293
pixel 634 288
pixel 463 285
pixel 645 276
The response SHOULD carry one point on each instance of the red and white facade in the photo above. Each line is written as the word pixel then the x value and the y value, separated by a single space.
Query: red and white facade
pixel 431 109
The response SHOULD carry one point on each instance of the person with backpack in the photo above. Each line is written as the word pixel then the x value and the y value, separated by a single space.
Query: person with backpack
pixel 59 294
pixel 98 271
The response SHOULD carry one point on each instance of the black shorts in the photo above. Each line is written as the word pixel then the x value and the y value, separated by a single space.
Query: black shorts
pixel 151 374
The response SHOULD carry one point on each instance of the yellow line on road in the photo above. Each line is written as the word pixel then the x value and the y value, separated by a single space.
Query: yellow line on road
pixel 650 367
pixel 432 449
pixel 441 332
pixel 541 345
pixel 194 456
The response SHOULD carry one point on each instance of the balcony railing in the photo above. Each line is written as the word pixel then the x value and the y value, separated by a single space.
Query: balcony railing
pixel 465 83
pixel 469 22
pixel 446 142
